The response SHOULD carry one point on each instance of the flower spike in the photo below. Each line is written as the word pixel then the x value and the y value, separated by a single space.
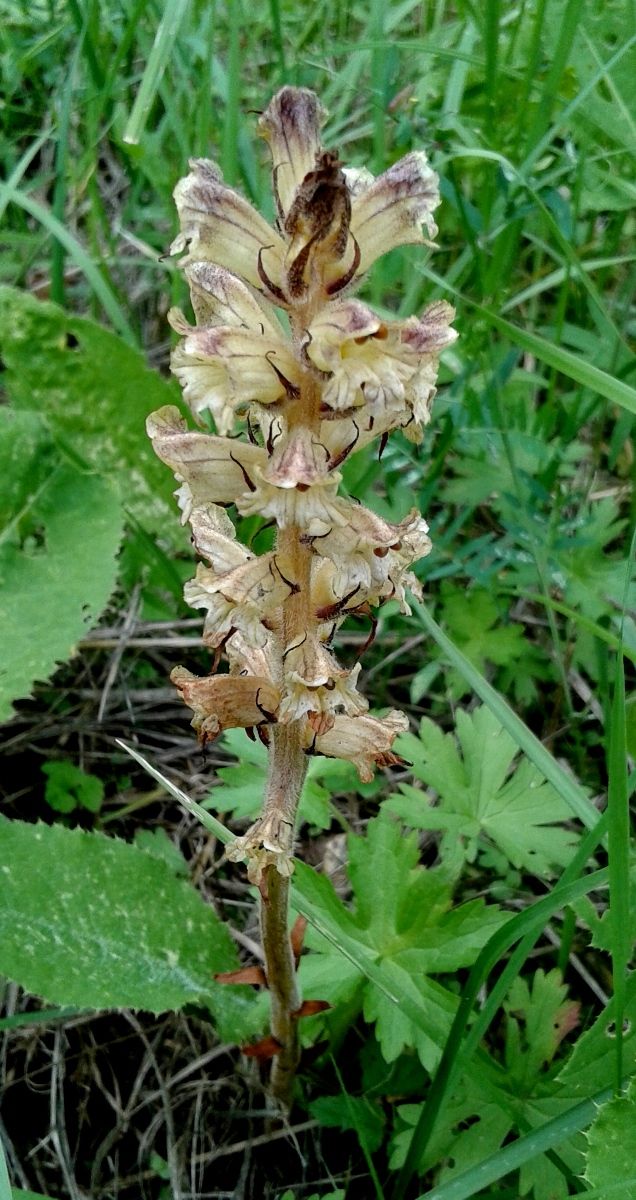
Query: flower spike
pixel 307 392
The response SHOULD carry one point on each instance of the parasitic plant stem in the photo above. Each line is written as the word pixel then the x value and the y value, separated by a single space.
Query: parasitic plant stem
pixel 344 378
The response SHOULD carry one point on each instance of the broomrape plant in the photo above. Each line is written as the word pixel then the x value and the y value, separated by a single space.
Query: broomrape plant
pixel 311 390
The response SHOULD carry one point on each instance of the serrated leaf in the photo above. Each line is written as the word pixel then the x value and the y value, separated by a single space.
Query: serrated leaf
pixel 402 919
pixel 477 630
pixel 593 1060
pixel 611 1146
pixel 479 795
pixel 95 392
pixel 539 1017
pixel 157 843
pixel 92 921
pixel 61 532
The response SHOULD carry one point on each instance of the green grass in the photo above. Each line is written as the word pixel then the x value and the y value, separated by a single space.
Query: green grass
pixel 526 472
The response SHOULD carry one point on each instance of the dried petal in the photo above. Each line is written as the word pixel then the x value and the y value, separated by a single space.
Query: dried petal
pixel 291 124
pixel 218 225
pixel 372 553
pixel 391 211
pixel 212 469
pixel 387 369
pixel 222 702
pixel 269 842
pixel 317 225
pixel 298 459
pixel 237 599
pixel 225 368
pixel 365 741
pixel 314 683
pixel 219 298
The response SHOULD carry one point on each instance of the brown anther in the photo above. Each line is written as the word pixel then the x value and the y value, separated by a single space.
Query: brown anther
pixel 274 290
pixel 328 611
pixel 290 388
pixel 365 611
pixel 271 440
pixel 218 650
pixel 340 284
pixel 338 458
pixel 250 432
pixel 294 646
pixel 268 716
pixel 248 481
pixel 381 551
pixel 302 487
pixel 294 588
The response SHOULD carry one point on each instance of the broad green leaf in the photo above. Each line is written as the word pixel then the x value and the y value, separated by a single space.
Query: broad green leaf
pixel 481 796
pixel 68 787
pixel 95 922
pixel 59 538
pixel 611 1145
pixel 95 392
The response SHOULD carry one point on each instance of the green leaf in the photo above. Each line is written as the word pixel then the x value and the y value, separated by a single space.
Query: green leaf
pixel 95 922
pixel 539 1017
pixel 68 787
pixel 61 531
pixel 157 843
pixel 404 919
pixel 351 1112
pixel 477 630
pixel 95 392
pixel 475 1125
pixel 481 796
pixel 592 1060
pixel 611 1149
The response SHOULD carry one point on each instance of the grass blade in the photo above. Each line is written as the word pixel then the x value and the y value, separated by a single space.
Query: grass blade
pixel 76 251
pixel 211 823
pixel 173 15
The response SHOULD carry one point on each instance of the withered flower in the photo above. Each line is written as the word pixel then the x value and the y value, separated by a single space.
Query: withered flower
pixel 306 399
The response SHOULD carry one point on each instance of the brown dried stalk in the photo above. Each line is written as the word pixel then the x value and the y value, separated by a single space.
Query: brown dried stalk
pixel 309 399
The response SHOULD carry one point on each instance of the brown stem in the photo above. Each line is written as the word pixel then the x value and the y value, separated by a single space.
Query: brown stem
pixel 288 764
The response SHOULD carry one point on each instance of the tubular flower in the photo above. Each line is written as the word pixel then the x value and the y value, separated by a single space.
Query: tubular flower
pixel 307 400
